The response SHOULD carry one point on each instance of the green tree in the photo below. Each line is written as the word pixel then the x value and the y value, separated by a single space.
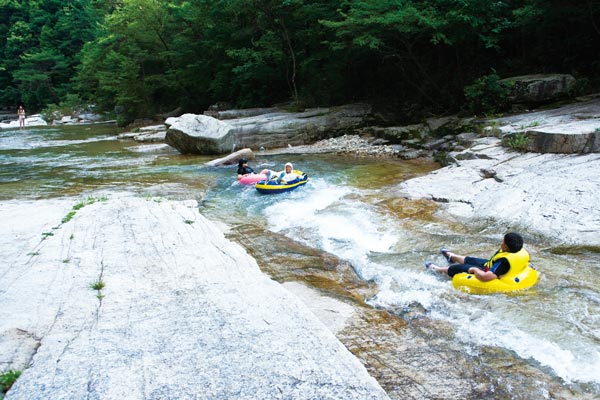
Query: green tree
pixel 40 51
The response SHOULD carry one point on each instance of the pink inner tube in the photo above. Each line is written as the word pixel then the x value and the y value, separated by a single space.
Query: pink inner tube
pixel 252 178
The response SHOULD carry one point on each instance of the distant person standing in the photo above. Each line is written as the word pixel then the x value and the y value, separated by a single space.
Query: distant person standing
pixel 21 113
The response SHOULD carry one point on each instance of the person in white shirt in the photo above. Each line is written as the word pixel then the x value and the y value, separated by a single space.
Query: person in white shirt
pixel 285 176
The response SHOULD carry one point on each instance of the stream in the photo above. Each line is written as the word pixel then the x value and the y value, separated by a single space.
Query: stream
pixel 345 210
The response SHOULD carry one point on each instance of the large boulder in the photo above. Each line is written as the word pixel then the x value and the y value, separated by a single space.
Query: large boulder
pixel 531 89
pixel 200 134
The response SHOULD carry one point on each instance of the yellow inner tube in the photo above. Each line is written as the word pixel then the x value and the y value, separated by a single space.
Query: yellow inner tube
pixel 469 283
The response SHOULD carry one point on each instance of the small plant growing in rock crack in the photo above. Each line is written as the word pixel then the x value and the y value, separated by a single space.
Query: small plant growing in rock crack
pixel 8 378
pixel 189 221
pixel 72 237
pixel 34 253
pixel 80 205
pixel 46 234
pixel 68 217
pixel 98 285
pixel 66 261
pixel 517 141
pixel 530 125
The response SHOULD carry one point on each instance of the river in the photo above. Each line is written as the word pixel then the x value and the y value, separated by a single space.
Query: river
pixel 346 210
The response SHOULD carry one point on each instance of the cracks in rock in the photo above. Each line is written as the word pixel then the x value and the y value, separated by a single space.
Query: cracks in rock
pixel 445 200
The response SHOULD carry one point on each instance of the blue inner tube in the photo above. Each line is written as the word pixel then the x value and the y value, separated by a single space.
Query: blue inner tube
pixel 274 186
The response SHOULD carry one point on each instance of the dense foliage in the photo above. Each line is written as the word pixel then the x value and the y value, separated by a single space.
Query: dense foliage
pixel 151 56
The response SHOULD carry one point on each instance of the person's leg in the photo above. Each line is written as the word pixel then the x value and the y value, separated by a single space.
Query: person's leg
pixel 458 268
pixel 450 270
pixel 436 268
pixel 453 257
pixel 475 262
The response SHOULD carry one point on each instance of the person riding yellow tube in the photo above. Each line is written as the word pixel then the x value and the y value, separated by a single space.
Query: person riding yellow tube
pixel 507 270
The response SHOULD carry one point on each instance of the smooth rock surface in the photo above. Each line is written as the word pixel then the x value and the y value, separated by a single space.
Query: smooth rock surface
pixel 184 314
pixel 553 195
pixel 570 129
pixel 232 158
pixel 206 135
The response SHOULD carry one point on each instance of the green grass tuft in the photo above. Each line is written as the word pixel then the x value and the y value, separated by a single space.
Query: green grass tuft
pixel 517 141
pixel 99 285
pixel 8 378
pixel 46 234
pixel 68 217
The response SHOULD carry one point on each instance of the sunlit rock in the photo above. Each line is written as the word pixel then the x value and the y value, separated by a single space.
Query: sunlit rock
pixel 182 313
pixel 200 134
pixel 571 129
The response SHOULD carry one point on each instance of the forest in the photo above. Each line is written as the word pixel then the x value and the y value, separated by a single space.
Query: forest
pixel 146 57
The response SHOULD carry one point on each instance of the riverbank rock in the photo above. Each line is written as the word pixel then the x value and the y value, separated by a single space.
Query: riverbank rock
pixel 207 135
pixel 146 134
pixel 539 88
pixel 243 113
pixel 182 313
pixel 555 195
pixel 34 120
pixel 571 129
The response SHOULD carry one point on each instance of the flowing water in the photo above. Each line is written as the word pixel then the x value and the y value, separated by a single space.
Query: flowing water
pixel 347 210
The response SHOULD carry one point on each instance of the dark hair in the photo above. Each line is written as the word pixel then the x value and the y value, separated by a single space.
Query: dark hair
pixel 513 241
pixel 242 161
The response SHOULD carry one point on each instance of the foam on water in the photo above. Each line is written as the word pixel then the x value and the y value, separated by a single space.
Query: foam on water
pixel 26 141
pixel 485 328
pixel 337 220
pixel 339 225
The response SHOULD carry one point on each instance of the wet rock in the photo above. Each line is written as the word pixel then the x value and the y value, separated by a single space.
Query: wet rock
pixel 147 134
pixel 34 120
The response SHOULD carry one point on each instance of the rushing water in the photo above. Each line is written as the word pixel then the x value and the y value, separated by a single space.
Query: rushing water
pixel 346 209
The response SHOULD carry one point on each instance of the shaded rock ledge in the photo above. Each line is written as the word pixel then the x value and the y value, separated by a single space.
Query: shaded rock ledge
pixel 184 313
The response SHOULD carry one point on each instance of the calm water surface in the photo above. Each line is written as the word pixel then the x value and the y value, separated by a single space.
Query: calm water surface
pixel 346 209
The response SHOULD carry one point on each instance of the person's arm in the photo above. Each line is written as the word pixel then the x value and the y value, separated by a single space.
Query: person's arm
pixel 241 173
pixel 482 275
